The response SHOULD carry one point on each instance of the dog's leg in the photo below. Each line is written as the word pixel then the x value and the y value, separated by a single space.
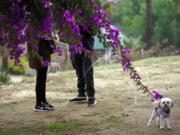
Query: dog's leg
pixel 158 121
pixel 161 122
pixel 168 123
pixel 153 115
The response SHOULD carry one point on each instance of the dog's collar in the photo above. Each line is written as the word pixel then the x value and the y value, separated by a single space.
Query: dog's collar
pixel 159 111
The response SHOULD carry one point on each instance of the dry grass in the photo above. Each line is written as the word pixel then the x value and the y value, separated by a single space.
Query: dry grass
pixel 120 109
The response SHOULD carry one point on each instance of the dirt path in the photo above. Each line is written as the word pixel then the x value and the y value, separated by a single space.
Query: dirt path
pixel 120 109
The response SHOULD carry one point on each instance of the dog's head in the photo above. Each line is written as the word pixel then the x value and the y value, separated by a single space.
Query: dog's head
pixel 166 104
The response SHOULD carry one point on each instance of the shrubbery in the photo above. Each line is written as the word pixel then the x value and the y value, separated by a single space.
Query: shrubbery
pixel 17 70
pixel 4 79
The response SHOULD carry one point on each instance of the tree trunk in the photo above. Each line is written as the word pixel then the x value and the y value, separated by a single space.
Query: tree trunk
pixel 149 27
pixel 4 55
pixel 5 64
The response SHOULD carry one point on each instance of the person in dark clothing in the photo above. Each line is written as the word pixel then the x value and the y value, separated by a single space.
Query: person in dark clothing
pixel 34 63
pixel 40 88
pixel 83 65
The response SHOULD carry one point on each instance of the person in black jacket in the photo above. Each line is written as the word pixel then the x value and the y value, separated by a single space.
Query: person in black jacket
pixel 45 52
pixel 83 65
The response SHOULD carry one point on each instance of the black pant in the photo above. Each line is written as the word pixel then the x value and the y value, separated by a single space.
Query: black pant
pixel 41 85
pixel 84 71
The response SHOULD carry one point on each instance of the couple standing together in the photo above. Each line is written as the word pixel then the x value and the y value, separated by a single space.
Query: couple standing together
pixel 81 63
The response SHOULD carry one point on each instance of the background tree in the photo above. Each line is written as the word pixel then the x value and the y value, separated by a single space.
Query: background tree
pixel 130 17
pixel 177 5
pixel 166 23
pixel 4 56
pixel 149 26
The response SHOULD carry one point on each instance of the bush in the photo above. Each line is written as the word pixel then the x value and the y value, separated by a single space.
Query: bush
pixel 4 79
pixel 17 70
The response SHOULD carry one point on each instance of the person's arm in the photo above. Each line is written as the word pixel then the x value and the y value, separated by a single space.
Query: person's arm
pixel 51 46
pixel 49 43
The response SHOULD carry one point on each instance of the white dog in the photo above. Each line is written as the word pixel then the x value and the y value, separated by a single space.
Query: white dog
pixel 162 110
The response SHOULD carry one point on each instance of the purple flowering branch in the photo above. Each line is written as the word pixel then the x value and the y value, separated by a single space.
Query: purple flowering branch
pixel 17 22
pixel 113 36
pixel 44 17
pixel 72 36
pixel 47 22
pixel 127 66
pixel 71 21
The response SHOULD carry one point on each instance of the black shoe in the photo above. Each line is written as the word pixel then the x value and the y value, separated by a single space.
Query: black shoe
pixel 91 101
pixel 79 99
pixel 39 108
pixel 43 107
pixel 48 106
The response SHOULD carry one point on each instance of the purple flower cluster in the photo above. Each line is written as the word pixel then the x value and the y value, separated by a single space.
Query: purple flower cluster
pixel 157 95
pixel 47 22
pixel 91 1
pixel 71 21
pixel 74 49
pixel 16 25
pixel 113 36
pixel 1 38
pixel 46 3
pixel 126 61
pixel 100 18
pixel 136 77
pixel 75 45
pixel 2 17
pixel 68 134
pixel 21 31
pixel 78 11
pixel 58 50
pixel 17 1
pixel 45 63
pixel 16 50
pixel 35 47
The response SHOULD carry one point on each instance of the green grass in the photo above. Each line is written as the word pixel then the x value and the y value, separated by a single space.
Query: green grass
pixel 11 133
pixel 114 122
pixel 139 62
pixel 57 128
pixel 143 61
pixel 62 127
pixel 158 59
pixel 108 66
pixel 82 124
